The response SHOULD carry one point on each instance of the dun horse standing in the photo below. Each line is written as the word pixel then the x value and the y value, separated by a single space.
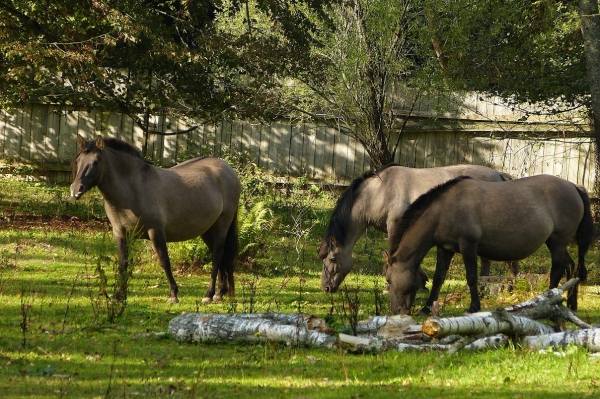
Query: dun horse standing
pixel 198 197
pixel 379 199
pixel 499 221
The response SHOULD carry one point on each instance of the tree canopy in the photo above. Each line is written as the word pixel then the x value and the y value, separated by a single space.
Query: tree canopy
pixel 349 63
pixel 151 56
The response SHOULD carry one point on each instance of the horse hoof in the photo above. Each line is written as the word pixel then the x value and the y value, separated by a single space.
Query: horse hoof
pixel 207 300
pixel 217 298
pixel 424 312
pixel 173 300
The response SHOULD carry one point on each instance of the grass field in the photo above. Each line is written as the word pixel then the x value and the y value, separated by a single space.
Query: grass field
pixel 59 336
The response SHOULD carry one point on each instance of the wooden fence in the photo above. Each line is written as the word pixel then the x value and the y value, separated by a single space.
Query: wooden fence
pixel 45 135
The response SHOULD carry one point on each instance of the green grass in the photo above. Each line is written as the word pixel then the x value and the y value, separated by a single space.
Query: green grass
pixel 56 339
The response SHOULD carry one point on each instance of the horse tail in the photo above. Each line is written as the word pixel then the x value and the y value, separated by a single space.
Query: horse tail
pixel 585 233
pixel 230 254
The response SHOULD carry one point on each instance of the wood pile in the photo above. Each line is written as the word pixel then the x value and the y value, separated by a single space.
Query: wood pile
pixel 539 323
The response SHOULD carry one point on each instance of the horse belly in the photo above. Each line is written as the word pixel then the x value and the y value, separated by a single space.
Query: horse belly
pixel 510 248
pixel 187 228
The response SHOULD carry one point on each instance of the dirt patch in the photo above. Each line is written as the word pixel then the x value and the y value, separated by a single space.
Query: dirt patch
pixel 53 223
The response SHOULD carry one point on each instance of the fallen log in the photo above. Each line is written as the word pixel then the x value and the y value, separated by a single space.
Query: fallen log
pixel 485 323
pixel 588 338
pixel 378 344
pixel 548 305
pixel 479 331
pixel 388 326
pixel 299 329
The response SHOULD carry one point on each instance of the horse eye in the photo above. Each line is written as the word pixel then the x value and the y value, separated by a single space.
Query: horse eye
pixel 332 259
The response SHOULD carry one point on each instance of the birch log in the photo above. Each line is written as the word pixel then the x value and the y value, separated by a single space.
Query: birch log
pixel 286 328
pixel 589 338
pixel 548 305
pixel 378 344
pixel 485 323
pixel 387 326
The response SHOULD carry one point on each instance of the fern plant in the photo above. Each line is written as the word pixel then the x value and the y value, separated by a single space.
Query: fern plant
pixel 252 225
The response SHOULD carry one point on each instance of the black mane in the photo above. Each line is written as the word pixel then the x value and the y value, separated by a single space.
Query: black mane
pixel 110 142
pixel 122 146
pixel 340 218
pixel 416 209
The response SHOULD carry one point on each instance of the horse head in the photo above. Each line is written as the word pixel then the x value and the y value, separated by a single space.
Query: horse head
pixel 337 262
pixel 403 280
pixel 87 166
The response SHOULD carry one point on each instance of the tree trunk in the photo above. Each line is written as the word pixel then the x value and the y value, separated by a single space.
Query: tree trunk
pixel 590 29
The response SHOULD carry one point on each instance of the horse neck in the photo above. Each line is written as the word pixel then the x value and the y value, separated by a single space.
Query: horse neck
pixel 417 240
pixel 120 178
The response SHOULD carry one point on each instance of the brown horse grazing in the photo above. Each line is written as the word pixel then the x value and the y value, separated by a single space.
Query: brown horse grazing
pixel 198 197
pixel 499 221
pixel 379 199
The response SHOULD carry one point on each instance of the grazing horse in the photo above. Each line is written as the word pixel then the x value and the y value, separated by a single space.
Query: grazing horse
pixel 379 199
pixel 198 197
pixel 499 221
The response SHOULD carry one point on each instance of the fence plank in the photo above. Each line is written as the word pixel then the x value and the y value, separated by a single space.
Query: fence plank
pixel 320 148
pixel 47 134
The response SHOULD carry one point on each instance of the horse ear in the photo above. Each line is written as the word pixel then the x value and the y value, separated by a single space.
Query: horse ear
pixel 333 241
pixel 80 141
pixel 386 258
pixel 99 142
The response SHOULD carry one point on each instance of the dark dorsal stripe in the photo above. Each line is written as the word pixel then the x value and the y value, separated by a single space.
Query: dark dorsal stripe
pixel 416 209
pixel 340 218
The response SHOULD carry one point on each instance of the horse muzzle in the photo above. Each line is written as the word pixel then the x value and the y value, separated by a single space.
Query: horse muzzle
pixel 77 192
pixel 329 288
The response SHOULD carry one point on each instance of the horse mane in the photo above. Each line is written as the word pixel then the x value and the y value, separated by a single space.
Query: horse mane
pixel 338 225
pixel 110 142
pixel 417 208
pixel 122 146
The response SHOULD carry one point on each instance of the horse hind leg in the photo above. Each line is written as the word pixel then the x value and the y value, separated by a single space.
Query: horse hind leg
pixel 573 292
pixel 562 264
pixel 209 240
pixel 223 245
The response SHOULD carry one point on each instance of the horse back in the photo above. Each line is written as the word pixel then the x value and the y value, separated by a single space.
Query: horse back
pixel 386 196
pixel 524 212
pixel 189 198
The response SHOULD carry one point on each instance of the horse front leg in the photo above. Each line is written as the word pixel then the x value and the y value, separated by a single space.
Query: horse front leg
pixel 469 253
pixel 158 239
pixel 123 272
pixel 443 259
pixel 485 267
